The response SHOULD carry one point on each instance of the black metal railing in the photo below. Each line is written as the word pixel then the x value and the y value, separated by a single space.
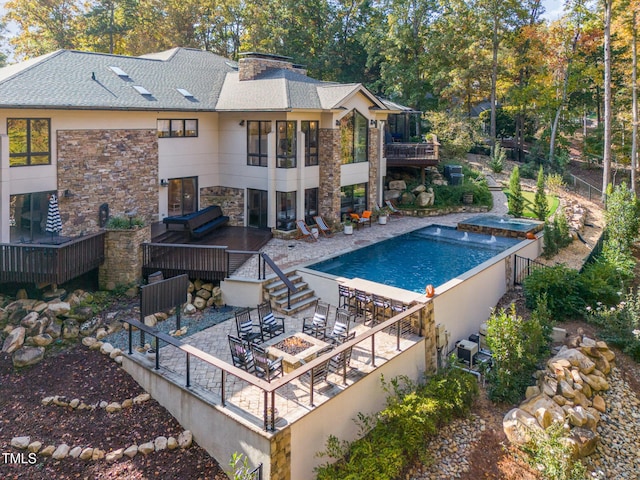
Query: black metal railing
pixel 45 263
pixel 584 189
pixel 291 288
pixel 408 154
pixel 523 267
pixel 366 342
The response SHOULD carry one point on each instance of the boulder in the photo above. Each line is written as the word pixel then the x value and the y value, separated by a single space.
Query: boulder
pixel 203 293
pixel 532 391
pixel 89 326
pixel 543 409
pixel 576 358
pixel 34 447
pixel 583 441
pixel 407 198
pixel 71 329
pixel 160 443
pixel 116 352
pixel 185 439
pixel 189 309
pixel 113 407
pixel 27 356
pixel 22 294
pixel 596 382
pixel 54 329
pixel 88 341
pixel 146 448
pixel 30 320
pixel 599 404
pixel 97 454
pixel 14 340
pixel 143 397
pixel 518 425
pixel 75 452
pixel 20 442
pixel 59 308
pixel 397 185
pixel 425 199
pixel 150 320
pixel 87 454
pixel 61 452
pixel 115 455
pixel 132 451
pixel 577 416
pixel 172 443
pixel 106 348
pixel 48 450
pixel 42 340
pixel 199 303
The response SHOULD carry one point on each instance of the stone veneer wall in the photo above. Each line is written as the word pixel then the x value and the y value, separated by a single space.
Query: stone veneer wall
pixel 281 455
pixel 123 257
pixel 429 333
pixel 117 167
pixel 329 162
pixel 230 199
pixel 250 68
pixel 374 166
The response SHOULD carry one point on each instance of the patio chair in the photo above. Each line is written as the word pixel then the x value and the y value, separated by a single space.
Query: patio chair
pixel 304 232
pixel 392 210
pixel 339 363
pixel 363 304
pixel 340 332
pixel 322 226
pixel 247 330
pixel 317 374
pixel 317 325
pixel 405 326
pixel 241 353
pixel 366 216
pixel 358 220
pixel 270 325
pixel 265 367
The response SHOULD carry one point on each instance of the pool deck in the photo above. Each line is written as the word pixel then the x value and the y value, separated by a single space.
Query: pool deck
pixel 292 401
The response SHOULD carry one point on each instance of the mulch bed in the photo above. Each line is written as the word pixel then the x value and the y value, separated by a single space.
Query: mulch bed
pixel 90 377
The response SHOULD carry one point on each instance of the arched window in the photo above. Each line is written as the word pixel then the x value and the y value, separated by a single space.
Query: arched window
pixel 354 138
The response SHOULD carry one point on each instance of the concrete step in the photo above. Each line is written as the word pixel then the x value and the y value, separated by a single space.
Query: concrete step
pixel 277 284
pixel 282 292
pixel 296 298
pixel 299 305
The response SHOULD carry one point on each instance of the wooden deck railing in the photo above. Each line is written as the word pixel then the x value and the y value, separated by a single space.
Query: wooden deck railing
pixel 207 262
pixel 411 154
pixel 39 263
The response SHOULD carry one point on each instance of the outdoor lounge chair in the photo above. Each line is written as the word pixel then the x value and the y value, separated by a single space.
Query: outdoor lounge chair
pixel 270 325
pixel 317 374
pixel 392 210
pixel 304 231
pixel 241 353
pixel 317 325
pixel 247 330
pixel 322 226
pixel 340 332
pixel 265 367
pixel 359 221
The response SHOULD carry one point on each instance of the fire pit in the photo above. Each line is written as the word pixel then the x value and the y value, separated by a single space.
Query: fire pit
pixel 295 349
pixel 293 345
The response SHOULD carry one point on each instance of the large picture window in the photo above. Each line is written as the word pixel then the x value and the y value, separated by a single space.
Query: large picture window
pixel 257 132
pixel 310 205
pixel 286 210
pixel 28 216
pixel 354 138
pixel 353 198
pixel 286 145
pixel 29 141
pixel 310 130
pixel 177 128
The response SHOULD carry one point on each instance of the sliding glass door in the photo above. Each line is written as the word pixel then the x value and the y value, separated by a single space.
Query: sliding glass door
pixel 183 195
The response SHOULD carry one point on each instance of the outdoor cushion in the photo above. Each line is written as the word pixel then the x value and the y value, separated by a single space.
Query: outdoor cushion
pixel 319 320
pixel 269 319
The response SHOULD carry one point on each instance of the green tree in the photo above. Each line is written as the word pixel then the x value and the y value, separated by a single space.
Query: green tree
pixel 455 132
pixel 623 221
pixel 540 204
pixel 516 199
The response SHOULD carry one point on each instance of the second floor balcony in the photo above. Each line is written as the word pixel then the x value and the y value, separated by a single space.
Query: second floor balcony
pixel 412 154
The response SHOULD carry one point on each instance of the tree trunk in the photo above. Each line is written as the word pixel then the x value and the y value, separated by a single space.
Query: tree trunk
pixel 606 157
pixel 634 89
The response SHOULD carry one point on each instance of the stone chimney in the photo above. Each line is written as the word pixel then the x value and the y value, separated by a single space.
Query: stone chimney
pixel 253 64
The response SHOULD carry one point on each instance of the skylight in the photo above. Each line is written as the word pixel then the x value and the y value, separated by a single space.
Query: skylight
pixel 185 93
pixel 118 71
pixel 141 90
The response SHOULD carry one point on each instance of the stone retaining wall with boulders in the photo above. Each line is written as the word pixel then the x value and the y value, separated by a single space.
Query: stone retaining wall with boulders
pixel 567 391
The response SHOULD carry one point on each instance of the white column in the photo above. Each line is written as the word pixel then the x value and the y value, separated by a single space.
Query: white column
pixel 300 151
pixel 382 167
pixel 271 178
pixel 4 188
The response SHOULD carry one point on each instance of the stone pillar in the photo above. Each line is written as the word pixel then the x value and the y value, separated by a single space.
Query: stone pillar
pixel 374 166
pixel 329 161
pixel 428 321
pixel 123 257
pixel 4 189
pixel 281 455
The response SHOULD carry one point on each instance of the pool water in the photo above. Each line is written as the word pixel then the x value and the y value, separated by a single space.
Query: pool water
pixel 432 255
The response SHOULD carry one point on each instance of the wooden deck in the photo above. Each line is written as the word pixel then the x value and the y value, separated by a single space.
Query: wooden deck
pixel 235 238
pixel 212 257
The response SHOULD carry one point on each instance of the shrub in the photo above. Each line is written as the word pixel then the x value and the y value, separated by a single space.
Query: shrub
pixel 560 285
pixel 516 346
pixel 550 246
pixel 540 204
pixel 555 183
pixel 516 200
pixel 498 158
pixel 396 437
pixel 602 281
pixel 551 455
pixel 124 223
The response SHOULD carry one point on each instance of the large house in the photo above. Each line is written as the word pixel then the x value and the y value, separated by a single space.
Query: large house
pixel 172 132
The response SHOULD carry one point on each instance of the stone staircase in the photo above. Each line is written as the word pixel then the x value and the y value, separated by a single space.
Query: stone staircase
pixel 276 290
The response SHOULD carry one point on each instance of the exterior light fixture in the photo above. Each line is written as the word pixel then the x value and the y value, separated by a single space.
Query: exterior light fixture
pixel 164 183
pixel 241 123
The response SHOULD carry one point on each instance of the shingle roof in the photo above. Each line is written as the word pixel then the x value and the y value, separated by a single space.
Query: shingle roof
pixel 72 79
pixel 84 80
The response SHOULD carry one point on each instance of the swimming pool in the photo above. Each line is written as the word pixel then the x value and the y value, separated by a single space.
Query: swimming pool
pixel 432 255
